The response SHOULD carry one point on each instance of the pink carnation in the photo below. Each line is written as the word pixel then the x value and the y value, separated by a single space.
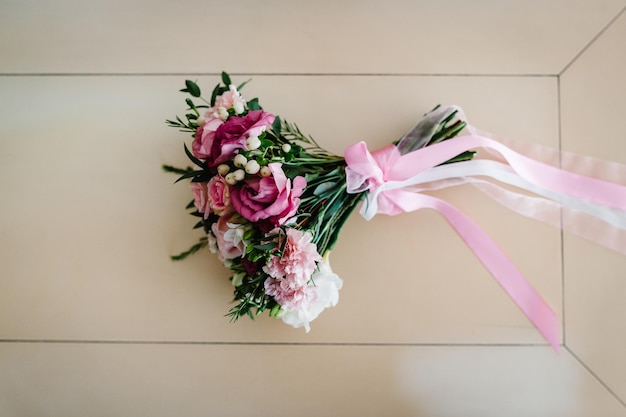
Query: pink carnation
pixel 290 273
pixel 290 298
pixel 274 198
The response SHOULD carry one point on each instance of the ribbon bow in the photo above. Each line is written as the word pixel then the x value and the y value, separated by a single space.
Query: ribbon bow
pixel 390 179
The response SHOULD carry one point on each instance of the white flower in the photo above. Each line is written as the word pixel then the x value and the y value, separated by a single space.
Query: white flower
pixel 327 285
pixel 234 234
pixel 238 107
pixel 222 113
pixel 212 243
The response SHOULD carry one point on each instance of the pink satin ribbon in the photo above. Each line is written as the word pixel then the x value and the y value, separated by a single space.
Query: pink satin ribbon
pixel 376 171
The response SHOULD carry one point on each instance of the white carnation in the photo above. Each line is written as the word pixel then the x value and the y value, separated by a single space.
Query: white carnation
pixel 327 285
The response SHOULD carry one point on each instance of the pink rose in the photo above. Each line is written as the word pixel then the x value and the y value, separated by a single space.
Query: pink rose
pixel 229 239
pixel 272 198
pixel 218 192
pixel 201 198
pixel 232 134
pixel 204 138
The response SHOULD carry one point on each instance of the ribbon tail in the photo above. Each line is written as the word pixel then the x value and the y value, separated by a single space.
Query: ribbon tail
pixel 495 261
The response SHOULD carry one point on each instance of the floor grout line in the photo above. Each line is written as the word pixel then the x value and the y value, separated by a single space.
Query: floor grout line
pixel 592 41
pixel 235 343
pixel 561 233
pixel 596 377
pixel 267 74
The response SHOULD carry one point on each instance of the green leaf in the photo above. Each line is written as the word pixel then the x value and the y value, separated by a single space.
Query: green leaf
pixel 193 158
pixel 192 88
pixel 274 311
pixel 186 175
pixel 266 143
pixel 214 94
pixel 226 79
pixel 242 85
pixel 256 256
pixel 266 246
pixel 277 125
pixel 248 234
pixel 180 171
pixel 195 248
pixel 323 188
pixel 254 104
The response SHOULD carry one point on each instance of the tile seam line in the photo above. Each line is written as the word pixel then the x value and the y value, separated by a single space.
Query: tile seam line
pixel 236 343
pixel 270 74
pixel 561 233
pixel 595 376
pixel 592 41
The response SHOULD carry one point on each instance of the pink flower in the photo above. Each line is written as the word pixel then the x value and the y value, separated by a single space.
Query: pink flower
pixel 272 198
pixel 290 272
pixel 218 192
pixel 229 99
pixel 201 198
pixel 290 298
pixel 230 244
pixel 326 285
pixel 204 138
pixel 232 134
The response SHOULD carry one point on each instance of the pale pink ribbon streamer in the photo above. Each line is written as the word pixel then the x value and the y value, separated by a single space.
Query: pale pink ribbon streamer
pixel 383 174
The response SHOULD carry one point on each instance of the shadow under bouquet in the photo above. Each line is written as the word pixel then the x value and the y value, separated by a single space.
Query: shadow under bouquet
pixel 271 202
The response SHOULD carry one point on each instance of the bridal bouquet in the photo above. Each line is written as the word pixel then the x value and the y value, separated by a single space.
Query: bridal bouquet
pixel 270 201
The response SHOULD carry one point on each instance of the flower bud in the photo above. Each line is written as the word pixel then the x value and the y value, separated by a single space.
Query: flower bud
pixel 253 142
pixel 238 107
pixel 200 121
pixel 239 175
pixel 223 169
pixel 240 161
pixel 286 147
pixel 252 167
pixel 238 278
pixel 222 113
pixel 230 179
pixel 265 171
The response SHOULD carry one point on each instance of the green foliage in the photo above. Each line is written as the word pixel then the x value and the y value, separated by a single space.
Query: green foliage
pixel 195 248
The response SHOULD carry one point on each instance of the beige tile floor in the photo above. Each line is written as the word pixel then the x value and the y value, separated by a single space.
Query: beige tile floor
pixel 95 319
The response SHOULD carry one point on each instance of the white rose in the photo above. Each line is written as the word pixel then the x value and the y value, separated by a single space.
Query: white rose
pixel 327 284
